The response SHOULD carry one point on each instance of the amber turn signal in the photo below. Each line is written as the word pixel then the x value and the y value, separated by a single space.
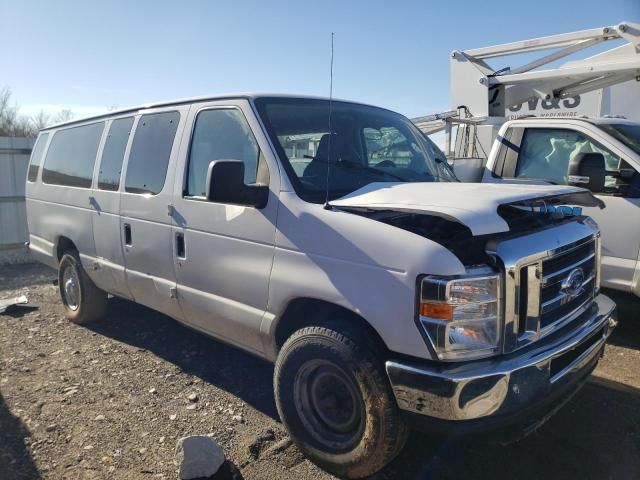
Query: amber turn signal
pixel 437 310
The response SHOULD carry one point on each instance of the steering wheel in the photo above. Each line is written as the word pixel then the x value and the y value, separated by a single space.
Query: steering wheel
pixel 385 163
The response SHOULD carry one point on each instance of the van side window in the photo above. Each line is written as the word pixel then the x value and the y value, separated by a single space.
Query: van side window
pixel 219 134
pixel 72 155
pixel 113 154
pixel 36 157
pixel 150 152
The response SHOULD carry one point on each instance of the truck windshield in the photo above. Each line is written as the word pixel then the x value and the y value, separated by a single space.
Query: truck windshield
pixel 358 146
pixel 626 133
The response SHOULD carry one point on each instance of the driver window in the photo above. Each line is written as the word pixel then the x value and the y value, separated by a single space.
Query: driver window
pixel 220 134
pixel 545 154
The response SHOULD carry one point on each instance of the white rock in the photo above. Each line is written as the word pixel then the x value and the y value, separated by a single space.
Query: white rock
pixel 198 456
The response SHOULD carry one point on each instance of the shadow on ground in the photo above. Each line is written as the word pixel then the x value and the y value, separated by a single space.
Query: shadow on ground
pixel 25 275
pixel 226 367
pixel 627 334
pixel 15 460
pixel 595 436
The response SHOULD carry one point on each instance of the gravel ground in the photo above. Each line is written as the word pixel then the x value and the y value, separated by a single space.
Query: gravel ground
pixel 110 400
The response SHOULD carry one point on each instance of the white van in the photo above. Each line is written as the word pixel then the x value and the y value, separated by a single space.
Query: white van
pixel 333 239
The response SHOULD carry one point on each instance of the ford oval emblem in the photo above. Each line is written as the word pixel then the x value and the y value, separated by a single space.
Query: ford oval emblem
pixel 571 286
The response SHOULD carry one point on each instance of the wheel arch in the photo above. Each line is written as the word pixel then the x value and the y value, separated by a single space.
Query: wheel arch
pixel 62 245
pixel 306 311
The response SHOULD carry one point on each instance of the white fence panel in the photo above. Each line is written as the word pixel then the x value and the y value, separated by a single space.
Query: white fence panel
pixel 14 160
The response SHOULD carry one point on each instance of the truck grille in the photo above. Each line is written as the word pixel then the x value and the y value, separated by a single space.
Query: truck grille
pixel 555 289
pixel 551 276
pixel 555 303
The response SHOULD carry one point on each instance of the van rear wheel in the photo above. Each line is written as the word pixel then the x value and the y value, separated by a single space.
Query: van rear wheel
pixel 83 302
pixel 333 396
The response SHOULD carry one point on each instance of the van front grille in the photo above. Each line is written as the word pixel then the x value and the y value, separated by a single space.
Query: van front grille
pixel 556 298
pixel 551 277
pixel 554 290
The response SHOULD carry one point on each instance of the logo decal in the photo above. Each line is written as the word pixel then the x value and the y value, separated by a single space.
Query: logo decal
pixel 571 286
pixel 564 210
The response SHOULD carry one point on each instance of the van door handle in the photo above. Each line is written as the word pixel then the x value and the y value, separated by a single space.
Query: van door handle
pixel 180 246
pixel 94 203
pixel 127 235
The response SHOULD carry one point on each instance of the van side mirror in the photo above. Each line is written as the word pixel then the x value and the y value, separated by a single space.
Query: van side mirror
pixel 225 184
pixel 587 170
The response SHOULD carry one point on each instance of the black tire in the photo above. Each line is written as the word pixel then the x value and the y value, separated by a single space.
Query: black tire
pixel 83 302
pixel 321 376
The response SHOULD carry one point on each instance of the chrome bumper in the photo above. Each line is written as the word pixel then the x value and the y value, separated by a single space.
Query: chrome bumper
pixel 506 385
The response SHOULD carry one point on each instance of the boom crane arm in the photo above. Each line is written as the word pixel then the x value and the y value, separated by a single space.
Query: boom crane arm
pixel 488 93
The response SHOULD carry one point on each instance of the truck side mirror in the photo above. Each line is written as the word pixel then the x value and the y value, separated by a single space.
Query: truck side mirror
pixel 587 170
pixel 225 184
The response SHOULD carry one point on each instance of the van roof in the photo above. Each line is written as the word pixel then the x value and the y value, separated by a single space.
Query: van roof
pixel 183 101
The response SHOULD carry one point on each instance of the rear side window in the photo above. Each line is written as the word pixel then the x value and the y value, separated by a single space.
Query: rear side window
pixel 36 157
pixel 72 155
pixel 113 154
pixel 150 152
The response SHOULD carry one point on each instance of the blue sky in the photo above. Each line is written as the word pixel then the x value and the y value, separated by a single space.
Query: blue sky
pixel 91 55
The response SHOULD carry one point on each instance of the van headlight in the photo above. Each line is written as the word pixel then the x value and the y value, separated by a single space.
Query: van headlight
pixel 462 315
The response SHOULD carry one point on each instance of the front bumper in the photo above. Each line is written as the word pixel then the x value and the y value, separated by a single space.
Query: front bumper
pixel 511 386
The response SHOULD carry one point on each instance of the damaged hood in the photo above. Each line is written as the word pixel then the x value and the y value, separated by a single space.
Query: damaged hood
pixel 472 204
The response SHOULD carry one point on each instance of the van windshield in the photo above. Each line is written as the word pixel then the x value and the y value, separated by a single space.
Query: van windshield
pixel 628 134
pixel 357 146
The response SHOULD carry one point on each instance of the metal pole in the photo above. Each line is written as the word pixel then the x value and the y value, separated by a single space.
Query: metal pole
pixel 447 139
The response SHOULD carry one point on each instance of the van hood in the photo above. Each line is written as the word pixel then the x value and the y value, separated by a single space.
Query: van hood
pixel 474 205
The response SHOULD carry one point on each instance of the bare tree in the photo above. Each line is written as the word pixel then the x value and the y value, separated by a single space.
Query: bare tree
pixel 6 109
pixel 63 116
pixel 13 124
pixel 41 120
pixel 23 127
pixel 8 113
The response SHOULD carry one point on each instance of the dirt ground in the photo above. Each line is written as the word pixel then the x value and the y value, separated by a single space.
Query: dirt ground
pixel 112 399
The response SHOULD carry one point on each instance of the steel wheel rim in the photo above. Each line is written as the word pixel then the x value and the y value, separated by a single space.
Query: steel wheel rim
pixel 71 288
pixel 329 404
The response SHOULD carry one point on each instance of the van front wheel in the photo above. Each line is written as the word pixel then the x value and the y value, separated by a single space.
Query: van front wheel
pixel 333 396
pixel 83 302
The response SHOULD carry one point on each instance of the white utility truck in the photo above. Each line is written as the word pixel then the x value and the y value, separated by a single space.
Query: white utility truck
pixel 572 125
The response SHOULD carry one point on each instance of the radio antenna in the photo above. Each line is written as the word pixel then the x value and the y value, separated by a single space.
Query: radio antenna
pixel 326 197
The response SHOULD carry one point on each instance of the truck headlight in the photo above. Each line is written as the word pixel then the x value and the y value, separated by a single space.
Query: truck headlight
pixel 462 315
